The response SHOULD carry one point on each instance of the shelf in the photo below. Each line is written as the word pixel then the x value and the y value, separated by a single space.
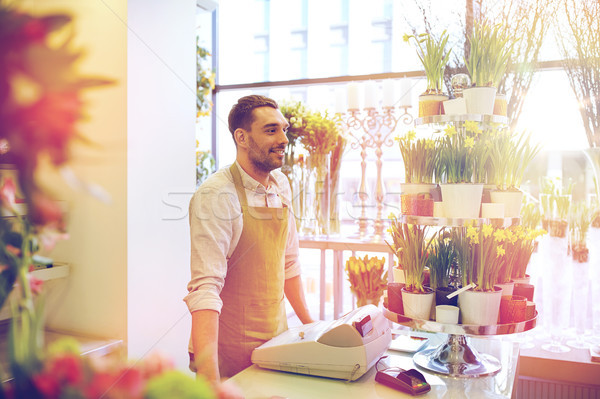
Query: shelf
pixel 456 222
pixel 51 273
pixel 460 329
pixel 435 119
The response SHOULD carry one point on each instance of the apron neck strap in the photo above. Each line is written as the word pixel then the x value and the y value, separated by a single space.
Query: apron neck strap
pixel 239 186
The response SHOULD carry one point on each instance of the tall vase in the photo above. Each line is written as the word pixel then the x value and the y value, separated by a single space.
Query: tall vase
pixel 335 198
pixel 318 165
pixel 593 156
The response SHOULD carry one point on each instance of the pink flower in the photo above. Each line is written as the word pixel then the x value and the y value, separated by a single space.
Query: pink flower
pixel 35 30
pixel 100 385
pixel 156 364
pixel 7 193
pixel 47 385
pixel 35 284
pixel 67 368
pixel 131 383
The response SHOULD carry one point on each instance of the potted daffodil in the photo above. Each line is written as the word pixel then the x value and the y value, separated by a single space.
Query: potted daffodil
pixel 411 245
pixel 434 57
pixel 490 50
pixel 420 158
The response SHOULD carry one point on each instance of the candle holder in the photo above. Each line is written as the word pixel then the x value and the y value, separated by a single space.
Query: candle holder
pixel 372 128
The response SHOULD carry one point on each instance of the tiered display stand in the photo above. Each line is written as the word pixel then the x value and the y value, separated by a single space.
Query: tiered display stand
pixel 455 357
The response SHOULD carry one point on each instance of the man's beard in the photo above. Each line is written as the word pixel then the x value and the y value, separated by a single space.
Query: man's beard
pixel 261 158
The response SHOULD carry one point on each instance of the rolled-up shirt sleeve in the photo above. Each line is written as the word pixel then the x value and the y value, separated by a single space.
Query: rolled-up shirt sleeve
pixel 215 225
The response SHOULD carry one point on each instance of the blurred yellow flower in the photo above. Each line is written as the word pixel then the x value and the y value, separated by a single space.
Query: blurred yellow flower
pixel 450 130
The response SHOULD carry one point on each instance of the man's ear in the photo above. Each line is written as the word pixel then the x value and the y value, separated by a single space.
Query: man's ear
pixel 240 136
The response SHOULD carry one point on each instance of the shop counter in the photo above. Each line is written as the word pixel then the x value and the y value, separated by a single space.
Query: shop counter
pixel 258 383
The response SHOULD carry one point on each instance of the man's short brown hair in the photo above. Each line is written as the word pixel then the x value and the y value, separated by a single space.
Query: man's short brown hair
pixel 241 116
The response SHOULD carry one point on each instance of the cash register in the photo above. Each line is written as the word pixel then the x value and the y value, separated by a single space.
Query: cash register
pixel 345 348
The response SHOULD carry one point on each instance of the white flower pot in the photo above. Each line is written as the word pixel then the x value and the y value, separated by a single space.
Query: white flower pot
pixel 456 106
pixel 479 307
pixel 418 306
pixel 462 200
pixel 480 100
pixel 512 201
pixel 507 288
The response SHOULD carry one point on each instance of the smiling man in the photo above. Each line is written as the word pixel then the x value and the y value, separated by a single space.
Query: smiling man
pixel 244 247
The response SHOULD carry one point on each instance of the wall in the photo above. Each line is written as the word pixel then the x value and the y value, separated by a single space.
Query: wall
pixel 161 173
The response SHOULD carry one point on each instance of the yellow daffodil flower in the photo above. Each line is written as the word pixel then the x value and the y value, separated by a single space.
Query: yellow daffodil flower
pixel 500 251
pixel 472 127
pixel 410 135
pixel 499 235
pixel 487 230
pixel 469 142
pixel 450 130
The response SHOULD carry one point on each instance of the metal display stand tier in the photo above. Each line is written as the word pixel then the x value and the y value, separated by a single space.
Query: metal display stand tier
pixel 442 119
pixel 455 357
pixel 457 222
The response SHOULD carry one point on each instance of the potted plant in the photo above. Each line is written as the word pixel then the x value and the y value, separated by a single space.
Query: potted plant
pixel 509 158
pixel 486 63
pixel 481 304
pixel 420 158
pixel 461 159
pixel 411 245
pixel 368 279
pixel 434 57
pixel 580 221
pixel 524 248
pixel 560 198
pixel 441 261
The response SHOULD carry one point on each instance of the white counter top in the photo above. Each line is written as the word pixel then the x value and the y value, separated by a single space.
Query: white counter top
pixel 257 383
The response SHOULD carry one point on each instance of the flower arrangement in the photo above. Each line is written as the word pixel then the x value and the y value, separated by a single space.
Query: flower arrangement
pixel 295 113
pixel 490 51
pixel 487 251
pixel 434 57
pixel 411 247
pixel 321 133
pixel 65 374
pixel 205 82
pixel 420 158
pixel 368 278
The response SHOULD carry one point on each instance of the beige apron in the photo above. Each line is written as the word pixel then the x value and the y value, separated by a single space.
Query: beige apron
pixel 253 300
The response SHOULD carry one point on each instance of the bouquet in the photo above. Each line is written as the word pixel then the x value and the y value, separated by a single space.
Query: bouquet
pixel 368 279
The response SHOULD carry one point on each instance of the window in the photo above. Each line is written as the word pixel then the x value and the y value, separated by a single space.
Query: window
pixel 339 39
